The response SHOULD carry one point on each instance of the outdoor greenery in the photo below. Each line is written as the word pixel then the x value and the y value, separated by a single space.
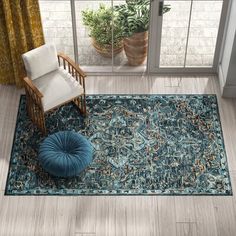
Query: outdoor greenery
pixel 123 20
pixel 134 16
pixel 100 23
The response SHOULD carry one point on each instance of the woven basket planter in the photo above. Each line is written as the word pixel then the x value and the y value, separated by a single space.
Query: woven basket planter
pixel 106 51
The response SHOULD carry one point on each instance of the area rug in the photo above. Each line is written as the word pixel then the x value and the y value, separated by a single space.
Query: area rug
pixel 143 145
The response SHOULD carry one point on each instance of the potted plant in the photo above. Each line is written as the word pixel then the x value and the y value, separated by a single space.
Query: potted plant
pixel 134 19
pixel 100 26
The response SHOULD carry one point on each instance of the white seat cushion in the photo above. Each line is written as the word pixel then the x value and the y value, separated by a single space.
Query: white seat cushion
pixel 57 87
pixel 40 61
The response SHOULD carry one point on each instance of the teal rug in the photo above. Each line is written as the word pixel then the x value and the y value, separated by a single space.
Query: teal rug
pixel 143 145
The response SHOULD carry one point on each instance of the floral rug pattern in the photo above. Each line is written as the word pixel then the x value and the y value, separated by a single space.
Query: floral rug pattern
pixel 143 144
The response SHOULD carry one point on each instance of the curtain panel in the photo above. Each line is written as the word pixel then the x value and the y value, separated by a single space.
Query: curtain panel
pixel 20 31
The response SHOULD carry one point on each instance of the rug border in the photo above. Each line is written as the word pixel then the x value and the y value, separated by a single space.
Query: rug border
pixel 140 194
pixel 223 142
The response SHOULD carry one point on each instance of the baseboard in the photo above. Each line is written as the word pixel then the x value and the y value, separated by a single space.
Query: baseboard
pixel 229 91
pixel 226 90
pixel 221 79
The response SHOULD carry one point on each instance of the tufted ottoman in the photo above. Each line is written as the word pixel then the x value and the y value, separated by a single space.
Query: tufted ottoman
pixel 65 153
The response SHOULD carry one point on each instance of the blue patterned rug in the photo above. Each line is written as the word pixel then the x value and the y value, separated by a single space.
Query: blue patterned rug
pixel 143 144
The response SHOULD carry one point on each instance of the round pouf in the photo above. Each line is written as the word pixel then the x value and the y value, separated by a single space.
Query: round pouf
pixel 65 153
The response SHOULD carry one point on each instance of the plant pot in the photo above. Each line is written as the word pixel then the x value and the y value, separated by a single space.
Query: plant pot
pixel 136 48
pixel 106 50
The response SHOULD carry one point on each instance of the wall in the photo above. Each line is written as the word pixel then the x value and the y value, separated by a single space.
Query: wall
pixel 227 66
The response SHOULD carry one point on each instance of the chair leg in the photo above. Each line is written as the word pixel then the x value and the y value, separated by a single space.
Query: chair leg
pixel 42 124
pixel 40 119
pixel 36 115
pixel 80 102
pixel 84 105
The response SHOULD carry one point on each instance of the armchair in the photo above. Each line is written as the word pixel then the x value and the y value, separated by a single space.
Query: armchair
pixel 52 80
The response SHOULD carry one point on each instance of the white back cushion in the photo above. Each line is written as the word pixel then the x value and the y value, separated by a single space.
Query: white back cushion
pixel 40 61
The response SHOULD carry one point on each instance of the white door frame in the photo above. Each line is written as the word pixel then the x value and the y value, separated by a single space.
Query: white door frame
pixel 154 47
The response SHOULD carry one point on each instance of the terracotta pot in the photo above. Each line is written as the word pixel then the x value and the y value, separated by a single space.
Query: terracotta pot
pixel 136 48
pixel 106 50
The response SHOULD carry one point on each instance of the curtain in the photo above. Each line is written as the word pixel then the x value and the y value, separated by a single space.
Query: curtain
pixel 20 31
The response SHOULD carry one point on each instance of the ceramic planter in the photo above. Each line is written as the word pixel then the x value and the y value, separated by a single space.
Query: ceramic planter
pixel 136 48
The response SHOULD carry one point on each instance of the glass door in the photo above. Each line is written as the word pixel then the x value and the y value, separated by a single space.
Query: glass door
pixel 186 38
pixel 94 34
pixel 112 35
pixel 101 35
pixel 57 25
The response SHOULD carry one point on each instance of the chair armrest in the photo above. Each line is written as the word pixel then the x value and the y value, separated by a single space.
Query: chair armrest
pixel 72 63
pixel 29 84
pixel 33 93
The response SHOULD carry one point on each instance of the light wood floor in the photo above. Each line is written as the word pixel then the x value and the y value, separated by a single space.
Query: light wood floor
pixel 120 216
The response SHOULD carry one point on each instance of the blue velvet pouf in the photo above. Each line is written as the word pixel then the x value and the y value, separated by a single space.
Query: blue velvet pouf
pixel 65 153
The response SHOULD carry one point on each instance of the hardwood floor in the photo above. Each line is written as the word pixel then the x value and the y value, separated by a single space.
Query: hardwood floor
pixel 113 215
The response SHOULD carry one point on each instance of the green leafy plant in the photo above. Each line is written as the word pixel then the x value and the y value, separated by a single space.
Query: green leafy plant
pixel 134 16
pixel 100 23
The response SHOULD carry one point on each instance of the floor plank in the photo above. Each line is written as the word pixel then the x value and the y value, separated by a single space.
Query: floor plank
pixel 142 216
pixel 166 216
pixel 105 216
pixel 86 215
pixel 121 215
pixel 85 234
pixel 184 209
pixel 205 217
pixel 186 229
pixel 225 215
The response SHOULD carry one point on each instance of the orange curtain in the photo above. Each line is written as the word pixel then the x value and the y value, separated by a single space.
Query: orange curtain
pixel 20 31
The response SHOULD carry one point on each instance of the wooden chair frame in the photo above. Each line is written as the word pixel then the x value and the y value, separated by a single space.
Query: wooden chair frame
pixel 34 96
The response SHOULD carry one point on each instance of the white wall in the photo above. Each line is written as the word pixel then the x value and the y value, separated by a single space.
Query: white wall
pixel 227 67
pixel 232 64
